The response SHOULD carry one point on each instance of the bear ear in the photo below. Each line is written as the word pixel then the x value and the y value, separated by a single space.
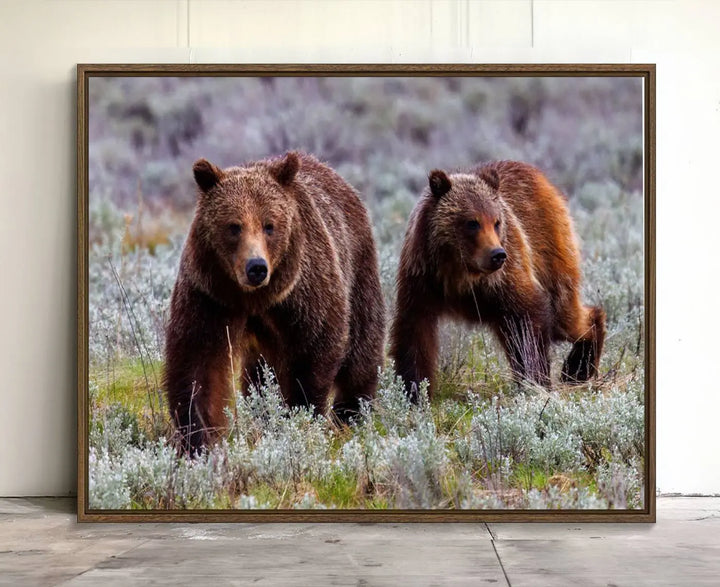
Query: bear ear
pixel 285 169
pixel 439 183
pixel 206 174
pixel 491 177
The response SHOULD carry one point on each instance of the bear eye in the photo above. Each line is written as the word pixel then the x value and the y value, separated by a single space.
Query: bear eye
pixel 234 229
pixel 473 225
pixel 497 225
pixel 269 228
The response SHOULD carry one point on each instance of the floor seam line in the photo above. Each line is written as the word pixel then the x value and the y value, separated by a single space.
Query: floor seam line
pixel 92 568
pixel 489 529
pixel 502 566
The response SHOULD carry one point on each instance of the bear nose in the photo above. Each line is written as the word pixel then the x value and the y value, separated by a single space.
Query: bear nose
pixel 498 257
pixel 256 271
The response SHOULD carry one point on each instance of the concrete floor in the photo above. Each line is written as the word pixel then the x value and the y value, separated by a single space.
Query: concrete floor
pixel 41 544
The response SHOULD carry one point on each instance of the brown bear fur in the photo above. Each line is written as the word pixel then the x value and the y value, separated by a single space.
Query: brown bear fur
pixel 317 316
pixel 529 299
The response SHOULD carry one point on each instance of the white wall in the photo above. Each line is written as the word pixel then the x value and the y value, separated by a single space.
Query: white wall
pixel 41 41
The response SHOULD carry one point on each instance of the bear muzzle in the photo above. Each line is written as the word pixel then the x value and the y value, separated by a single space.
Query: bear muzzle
pixel 487 263
pixel 497 258
pixel 256 271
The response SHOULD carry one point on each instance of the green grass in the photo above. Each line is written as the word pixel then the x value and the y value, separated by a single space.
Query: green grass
pixel 526 477
pixel 120 401
pixel 339 489
pixel 130 382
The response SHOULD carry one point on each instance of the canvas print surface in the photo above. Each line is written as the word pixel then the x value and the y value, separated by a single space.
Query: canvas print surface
pixel 362 293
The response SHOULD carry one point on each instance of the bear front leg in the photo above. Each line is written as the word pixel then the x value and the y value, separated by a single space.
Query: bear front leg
pixel 309 380
pixel 357 378
pixel 526 346
pixel 198 375
pixel 414 345
pixel 252 370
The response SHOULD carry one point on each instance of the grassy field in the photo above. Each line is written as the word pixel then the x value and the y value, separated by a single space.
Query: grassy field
pixel 482 442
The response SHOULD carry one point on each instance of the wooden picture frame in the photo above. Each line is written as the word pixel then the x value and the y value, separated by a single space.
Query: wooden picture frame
pixel 122 137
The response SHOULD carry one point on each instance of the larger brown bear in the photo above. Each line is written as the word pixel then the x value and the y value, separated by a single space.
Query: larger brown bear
pixel 279 266
pixel 494 246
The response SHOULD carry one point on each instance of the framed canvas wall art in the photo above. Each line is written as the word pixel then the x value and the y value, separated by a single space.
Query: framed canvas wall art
pixel 366 292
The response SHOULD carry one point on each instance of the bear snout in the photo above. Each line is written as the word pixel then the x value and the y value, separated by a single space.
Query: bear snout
pixel 497 258
pixel 256 271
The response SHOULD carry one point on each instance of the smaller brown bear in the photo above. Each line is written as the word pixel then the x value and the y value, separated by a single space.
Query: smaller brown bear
pixel 279 267
pixel 494 246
